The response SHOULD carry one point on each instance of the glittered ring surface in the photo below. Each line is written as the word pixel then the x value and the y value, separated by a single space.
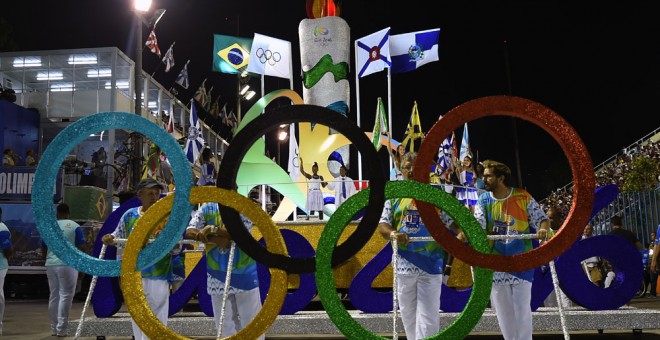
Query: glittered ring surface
pixel 566 137
pixel 475 307
pixel 131 279
pixel 59 148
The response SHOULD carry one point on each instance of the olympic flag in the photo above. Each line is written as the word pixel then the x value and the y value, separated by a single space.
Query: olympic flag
pixel 270 56
pixel 373 52
pixel 294 162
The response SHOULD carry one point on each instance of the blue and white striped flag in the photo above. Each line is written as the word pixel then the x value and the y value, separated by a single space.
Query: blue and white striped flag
pixel 411 50
pixel 195 141
pixel 465 144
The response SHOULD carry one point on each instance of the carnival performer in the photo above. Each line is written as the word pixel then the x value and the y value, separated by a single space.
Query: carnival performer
pixel 343 186
pixel 504 210
pixel 314 194
pixel 156 279
pixel 467 192
pixel 396 157
pixel 243 300
pixel 420 264
pixel 207 167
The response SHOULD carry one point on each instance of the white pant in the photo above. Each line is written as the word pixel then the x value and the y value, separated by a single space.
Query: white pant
pixel 3 273
pixel 240 308
pixel 62 282
pixel 157 293
pixel 512 307
pixel 419 303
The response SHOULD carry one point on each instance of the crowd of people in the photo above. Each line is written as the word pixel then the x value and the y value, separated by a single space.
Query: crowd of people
pixel 612 172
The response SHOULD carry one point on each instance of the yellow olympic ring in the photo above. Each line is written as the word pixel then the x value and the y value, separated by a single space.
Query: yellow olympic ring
pixel 131 280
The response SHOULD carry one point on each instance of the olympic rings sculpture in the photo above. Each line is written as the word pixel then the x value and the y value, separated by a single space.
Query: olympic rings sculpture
pixel 326 258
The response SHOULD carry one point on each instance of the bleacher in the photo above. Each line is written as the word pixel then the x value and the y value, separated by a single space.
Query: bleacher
pixel 639 210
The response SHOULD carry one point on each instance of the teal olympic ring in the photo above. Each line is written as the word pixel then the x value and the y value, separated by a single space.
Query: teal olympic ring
pixel 42 202
pixel 325 282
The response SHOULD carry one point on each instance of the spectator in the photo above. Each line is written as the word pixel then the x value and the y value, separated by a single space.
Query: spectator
pixel 652 274
pixel 617 229
pixel 8 159
pixel 30 159
pixel 62 279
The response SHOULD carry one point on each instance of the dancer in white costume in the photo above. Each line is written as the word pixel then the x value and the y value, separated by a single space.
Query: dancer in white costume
pixel 314 194
pixel 343 186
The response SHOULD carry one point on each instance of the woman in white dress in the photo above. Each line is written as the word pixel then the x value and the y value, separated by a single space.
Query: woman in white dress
pixel 314 194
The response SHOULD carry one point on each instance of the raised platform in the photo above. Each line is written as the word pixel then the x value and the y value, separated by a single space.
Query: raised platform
pixel 309 323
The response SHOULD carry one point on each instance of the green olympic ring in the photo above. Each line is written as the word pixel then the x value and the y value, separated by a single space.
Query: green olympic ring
pixel 325 282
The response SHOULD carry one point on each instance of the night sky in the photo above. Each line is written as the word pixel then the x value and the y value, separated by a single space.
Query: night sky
pixel 596 63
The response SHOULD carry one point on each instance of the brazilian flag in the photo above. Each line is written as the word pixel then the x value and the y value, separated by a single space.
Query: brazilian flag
pixel 230 54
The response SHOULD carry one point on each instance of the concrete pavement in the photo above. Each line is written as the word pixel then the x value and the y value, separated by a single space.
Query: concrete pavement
pixel 28 319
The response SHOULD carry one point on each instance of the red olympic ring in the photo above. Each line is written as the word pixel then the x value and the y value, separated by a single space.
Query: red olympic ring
pixel 566 137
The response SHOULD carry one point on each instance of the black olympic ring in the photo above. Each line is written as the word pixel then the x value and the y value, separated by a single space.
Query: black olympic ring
pixel 268 56
pixel 270 121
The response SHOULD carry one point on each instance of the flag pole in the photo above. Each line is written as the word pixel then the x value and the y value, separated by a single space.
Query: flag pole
pixel 156 69
pixel 389 108
pixel 357 103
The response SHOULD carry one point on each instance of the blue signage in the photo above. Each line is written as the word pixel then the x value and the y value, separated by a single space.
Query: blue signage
pixel 16 184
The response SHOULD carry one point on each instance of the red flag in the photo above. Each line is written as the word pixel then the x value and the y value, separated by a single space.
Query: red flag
pixel 152 43
pixel 170 125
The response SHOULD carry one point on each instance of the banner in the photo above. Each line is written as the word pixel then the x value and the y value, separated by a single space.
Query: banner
pixel 16 184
